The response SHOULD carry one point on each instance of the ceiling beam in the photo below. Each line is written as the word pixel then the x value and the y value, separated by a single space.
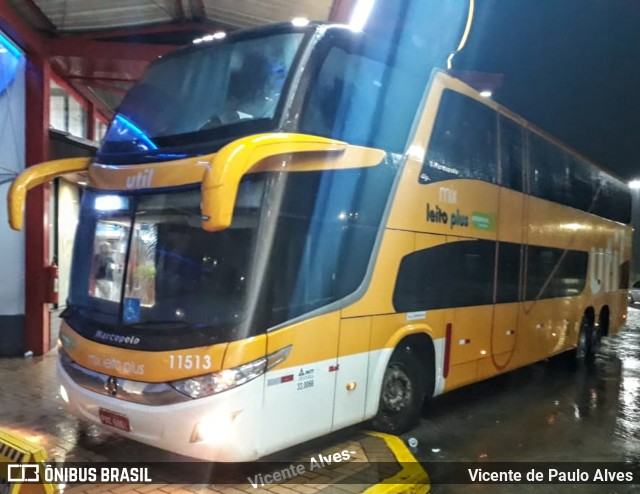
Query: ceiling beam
pixel 89 80
pixel 106 87
pixel 17 29
pixel 199 10
pixel 341 11
pixel 37 11
pixel 179 10
pixel 174 27
pixel 69 47
pixel 100 106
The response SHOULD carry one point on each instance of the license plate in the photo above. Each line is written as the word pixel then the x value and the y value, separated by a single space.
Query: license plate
pixel 115 420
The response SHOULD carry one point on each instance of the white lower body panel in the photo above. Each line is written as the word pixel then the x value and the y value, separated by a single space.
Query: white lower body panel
pixel 232 420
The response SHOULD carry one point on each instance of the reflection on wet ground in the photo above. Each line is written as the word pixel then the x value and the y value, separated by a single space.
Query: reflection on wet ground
pixel 547 412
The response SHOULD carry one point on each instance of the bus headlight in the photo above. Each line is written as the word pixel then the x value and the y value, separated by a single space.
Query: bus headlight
pixel 201 386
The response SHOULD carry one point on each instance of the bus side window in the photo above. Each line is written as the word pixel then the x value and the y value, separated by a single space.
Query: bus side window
pixel 555 273
pixel 613 201
pixel 547 177
pixel 583 184
pixel 421 281
pixel 463 141
pixel 511 154
pixel 623 204
pixel 456 274
pixel 508 272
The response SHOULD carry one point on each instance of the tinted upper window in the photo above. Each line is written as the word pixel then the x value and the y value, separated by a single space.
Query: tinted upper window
pixel 613 200
pixel 463 144
pixel 463 141
pixel 584 183
pixel 558 176
pixel 548 172
pixel 511 154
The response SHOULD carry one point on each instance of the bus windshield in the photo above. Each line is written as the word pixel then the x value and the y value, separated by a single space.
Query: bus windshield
pixel 144 260
pixel 196 96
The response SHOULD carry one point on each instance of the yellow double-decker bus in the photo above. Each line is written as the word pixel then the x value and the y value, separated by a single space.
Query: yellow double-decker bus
pixel 284 234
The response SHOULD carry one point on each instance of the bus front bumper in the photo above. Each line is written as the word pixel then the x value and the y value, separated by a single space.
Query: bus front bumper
pixel 224 427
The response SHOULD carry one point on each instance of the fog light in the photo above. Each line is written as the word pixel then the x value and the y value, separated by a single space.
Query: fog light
pixel 206 431
pixel 63 394
pixel 216 430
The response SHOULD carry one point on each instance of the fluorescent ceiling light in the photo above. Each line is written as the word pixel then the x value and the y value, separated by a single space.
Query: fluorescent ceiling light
pixel 361 14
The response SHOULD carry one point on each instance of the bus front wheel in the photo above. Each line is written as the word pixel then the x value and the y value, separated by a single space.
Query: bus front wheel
pixel 402 392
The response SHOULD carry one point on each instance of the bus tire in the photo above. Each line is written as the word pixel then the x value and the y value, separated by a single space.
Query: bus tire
pixel 599 331
pixel 594 342
pixel 403 392
pixel 584 352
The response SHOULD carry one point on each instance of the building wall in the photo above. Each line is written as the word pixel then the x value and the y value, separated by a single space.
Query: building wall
pixel 12 159
pixel 66 198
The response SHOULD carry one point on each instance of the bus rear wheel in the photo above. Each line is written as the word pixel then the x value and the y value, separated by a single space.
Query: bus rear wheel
pixel 402 393
pixel 588 342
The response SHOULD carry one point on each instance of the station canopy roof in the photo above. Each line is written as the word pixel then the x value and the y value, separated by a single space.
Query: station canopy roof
pixel 102 46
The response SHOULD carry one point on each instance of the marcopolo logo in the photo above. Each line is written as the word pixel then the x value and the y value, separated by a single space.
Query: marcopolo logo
pixel 116 338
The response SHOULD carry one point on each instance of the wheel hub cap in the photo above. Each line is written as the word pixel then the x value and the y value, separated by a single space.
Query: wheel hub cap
pixel 397 390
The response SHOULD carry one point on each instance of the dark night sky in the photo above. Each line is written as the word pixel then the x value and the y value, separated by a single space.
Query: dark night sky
pixel 572 67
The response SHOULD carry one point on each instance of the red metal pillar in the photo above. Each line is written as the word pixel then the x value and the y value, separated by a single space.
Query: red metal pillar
pixel 341 11
pixel 37 315
pixel 91 121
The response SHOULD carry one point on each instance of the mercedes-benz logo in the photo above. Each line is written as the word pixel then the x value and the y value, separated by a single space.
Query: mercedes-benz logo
pixel 111 386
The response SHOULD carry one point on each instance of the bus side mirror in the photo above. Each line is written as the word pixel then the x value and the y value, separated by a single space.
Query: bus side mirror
pixel 222 178
pixel 34 176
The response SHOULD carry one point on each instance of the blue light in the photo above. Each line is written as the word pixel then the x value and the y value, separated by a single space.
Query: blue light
pixel 10 59
pixel 134 129
pixel 9 46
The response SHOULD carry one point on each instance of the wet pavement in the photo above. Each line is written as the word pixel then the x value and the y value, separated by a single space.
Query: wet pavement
pixel 31 409
pixel 547 412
